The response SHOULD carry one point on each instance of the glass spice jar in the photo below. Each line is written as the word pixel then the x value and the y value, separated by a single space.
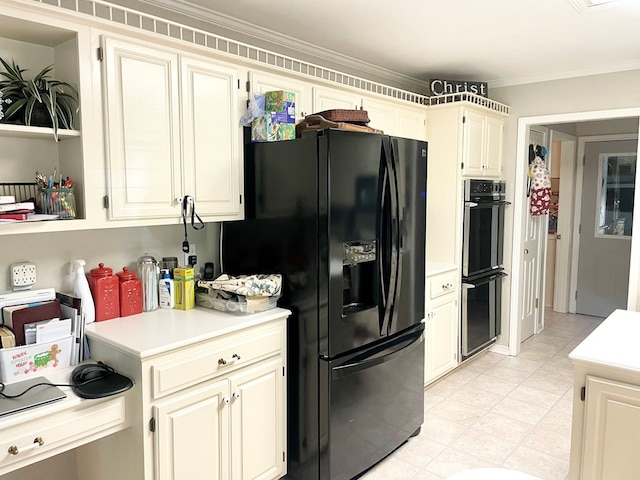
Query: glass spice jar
pixel 105 289
pixel 130 293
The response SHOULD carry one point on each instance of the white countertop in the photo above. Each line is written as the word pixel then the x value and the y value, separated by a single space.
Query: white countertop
pixel 614 343
pixel 433 268
pixel 162 330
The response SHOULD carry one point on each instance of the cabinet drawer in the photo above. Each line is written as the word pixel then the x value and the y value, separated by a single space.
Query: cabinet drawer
pixel 443 284
pixel 59 432
pixel 219 356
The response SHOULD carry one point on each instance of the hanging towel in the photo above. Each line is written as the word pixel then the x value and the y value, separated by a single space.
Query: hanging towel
pixel 540 188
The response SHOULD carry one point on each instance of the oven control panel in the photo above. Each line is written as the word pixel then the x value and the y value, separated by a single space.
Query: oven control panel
pixel 484 190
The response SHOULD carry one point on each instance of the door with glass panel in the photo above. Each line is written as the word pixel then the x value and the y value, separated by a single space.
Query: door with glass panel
pixel 608 188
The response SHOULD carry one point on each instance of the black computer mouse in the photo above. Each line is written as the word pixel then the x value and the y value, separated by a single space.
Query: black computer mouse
pixel 90 372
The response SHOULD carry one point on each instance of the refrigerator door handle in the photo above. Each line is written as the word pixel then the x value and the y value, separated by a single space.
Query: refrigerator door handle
pixel 384 284
pixel 395 157
pixel 363 362
pixel 393 193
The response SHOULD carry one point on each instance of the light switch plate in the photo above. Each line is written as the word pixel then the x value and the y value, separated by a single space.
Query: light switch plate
pixel 23 275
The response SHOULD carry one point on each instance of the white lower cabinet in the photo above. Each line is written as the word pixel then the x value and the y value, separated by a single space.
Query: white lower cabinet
pixel 213 409
pixel 235 419
pixel 606 447
pixel 442 325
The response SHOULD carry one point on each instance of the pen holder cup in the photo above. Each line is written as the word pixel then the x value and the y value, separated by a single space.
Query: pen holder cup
pixel 56 201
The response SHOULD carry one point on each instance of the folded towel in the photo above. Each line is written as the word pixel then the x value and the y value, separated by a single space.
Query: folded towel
pixel 267 285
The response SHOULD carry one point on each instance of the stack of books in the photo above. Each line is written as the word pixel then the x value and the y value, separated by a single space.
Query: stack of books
pixel 12 210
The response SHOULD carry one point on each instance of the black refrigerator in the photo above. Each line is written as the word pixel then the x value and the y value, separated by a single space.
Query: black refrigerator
pixel 342 216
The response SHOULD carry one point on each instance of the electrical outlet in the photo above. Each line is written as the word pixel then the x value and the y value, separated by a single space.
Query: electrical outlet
pixel 192 251
pixel 23 275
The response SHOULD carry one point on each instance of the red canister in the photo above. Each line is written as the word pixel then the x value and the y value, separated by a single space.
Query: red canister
pixel 130 293
pixel 105 290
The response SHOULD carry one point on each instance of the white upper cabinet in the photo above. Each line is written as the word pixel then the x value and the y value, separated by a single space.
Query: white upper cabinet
pixel 143 130
pixel 412 122
pixel 174 134
pixel 211 149
pixel 261 82
pixel 325 98
pixel 393 118
pixel 482 147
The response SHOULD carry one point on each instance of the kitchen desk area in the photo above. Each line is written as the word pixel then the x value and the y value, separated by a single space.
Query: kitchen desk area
pixel 209 394
pixel 606 401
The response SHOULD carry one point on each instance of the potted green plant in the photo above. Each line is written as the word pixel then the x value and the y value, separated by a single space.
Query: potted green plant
pixel 41 101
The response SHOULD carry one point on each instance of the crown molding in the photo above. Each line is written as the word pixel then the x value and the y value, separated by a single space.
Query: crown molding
pixel 281 41
pixel 585 72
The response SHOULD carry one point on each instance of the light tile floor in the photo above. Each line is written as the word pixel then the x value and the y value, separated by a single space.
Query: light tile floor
pixel 499 411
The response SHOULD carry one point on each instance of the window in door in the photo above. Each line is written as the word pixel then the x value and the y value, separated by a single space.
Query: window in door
pixel 616 181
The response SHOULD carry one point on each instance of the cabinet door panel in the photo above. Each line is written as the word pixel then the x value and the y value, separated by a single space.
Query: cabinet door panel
pixel 329 99
pixel 192 434
pixel 142 120
pixel 211 136
pixel 612 431
pixel 257 421
pixel 473 144
pixel 262 82
pixel 411 123
pixel 493 164
pixel 382 115
pixel 441 340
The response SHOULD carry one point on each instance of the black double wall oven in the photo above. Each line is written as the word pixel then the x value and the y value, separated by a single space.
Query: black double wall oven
pixel 482 264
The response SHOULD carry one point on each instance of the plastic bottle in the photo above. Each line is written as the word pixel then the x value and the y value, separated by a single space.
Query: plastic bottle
pixel 81 289
pixel 166 290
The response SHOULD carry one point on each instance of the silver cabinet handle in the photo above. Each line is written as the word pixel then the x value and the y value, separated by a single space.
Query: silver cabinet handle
pixel 236 395
pixel 234 357
pixel 37 442
pixel 447 286
pixel 226 400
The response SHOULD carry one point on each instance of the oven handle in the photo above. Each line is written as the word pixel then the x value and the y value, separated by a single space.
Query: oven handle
pixel 500 203
pixel 483 280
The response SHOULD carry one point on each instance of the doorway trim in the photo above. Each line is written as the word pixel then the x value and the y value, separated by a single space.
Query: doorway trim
pixel 564 237
pixel 520 209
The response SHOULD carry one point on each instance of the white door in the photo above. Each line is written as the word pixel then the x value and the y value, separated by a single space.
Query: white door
pixel 258 421
pixel 329 99
pixel 211 133
pixel 143 126
pixel 192 433
pixel 473 144
pixel 608 187
pixel 412 122
pixel 531 286
pixel 382 115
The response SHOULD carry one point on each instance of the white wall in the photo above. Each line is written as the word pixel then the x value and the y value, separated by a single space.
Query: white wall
pixel 115 248
pixel 583 94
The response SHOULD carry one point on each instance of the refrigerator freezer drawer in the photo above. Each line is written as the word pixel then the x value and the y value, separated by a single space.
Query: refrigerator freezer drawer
pixel 374 402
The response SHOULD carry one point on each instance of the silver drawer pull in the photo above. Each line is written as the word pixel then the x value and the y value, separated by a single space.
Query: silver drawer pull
pixel 234 357
pixel 37 442
pixel 447 286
